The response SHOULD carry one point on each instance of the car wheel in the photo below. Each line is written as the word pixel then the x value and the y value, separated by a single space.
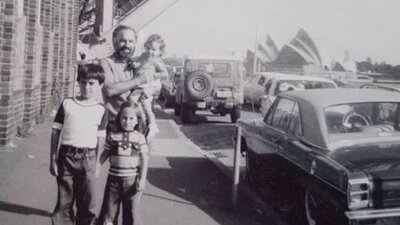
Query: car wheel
pixel 315 212
pixel 235 114
pixel 198 85
pixel 185 113
pixel 310 206
pixel 177 109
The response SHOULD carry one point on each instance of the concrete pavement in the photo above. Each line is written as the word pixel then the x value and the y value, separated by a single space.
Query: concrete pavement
pixel 184 186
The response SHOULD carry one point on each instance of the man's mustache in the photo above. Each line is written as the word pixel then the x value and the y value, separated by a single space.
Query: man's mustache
pixel 125 49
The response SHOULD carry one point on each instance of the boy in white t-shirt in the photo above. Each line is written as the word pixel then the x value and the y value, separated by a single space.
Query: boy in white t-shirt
pixel 80 127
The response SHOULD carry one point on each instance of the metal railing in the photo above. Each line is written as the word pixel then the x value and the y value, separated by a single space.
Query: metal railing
pixel 124 7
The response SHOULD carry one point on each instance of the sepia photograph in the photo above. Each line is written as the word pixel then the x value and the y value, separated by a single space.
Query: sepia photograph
pixel 203 112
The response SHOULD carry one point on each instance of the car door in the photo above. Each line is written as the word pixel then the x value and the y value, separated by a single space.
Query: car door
pixel 272 135
pixel 293 149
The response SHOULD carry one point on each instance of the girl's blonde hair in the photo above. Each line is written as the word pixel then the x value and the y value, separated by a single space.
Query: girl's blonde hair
pixel 156 38
pixel 138 112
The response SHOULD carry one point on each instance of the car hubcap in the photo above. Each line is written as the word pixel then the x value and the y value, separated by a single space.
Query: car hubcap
pixel 310 207
pixel 199 84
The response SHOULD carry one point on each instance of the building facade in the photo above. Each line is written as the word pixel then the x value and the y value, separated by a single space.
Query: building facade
pixel 38 42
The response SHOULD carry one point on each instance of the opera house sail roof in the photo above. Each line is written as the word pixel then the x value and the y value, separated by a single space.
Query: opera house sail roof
pixel 302 55
pixel 301 50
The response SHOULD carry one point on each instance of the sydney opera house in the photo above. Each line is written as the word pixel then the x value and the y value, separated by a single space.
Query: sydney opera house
pixel 300 56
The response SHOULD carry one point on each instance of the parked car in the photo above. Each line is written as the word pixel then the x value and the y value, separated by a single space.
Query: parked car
pixel 255 86
pixel 214 84
pixel 338 150
pixel 283 82
pixel 168 86
pixel 386 87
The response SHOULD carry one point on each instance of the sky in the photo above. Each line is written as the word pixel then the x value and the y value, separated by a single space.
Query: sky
pixel 365 28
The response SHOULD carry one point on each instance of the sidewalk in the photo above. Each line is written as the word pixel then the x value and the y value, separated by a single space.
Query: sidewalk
pixel 184 186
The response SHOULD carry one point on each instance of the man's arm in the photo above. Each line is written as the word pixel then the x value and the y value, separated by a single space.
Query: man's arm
pixel 55 137
pixel 112 88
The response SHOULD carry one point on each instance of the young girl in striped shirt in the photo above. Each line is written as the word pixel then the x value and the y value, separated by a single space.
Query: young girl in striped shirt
pixel 127 151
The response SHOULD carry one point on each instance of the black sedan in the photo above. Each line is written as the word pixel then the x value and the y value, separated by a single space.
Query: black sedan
pixel 338 150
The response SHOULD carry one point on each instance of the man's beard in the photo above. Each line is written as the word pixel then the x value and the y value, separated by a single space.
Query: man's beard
pixel 125 52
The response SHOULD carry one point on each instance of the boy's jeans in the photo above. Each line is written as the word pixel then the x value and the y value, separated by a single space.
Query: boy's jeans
pixel 76 183
pixel 120 190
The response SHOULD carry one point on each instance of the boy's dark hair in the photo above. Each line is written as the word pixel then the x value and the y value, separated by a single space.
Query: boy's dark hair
pixel 121 28
pixel 138 112
pixel 91 71
pixel 156 38
pixel 83 56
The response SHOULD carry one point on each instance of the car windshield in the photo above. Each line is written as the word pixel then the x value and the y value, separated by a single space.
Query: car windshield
pixel 289 85
pixel 369 119
pixel 216 69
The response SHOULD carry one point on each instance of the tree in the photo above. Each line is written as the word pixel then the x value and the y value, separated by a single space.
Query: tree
pixel 365 66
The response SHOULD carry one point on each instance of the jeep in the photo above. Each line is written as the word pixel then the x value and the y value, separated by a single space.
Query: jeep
pixel 210 84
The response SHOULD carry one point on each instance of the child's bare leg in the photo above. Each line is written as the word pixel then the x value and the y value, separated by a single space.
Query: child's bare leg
pixel 151 118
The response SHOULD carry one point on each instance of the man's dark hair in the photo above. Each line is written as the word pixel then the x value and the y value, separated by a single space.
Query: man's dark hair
pixel 121 28
pixel 91 71
pixel 83 56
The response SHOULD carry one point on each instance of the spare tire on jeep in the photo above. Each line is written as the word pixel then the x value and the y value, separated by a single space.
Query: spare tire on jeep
pixel 198 84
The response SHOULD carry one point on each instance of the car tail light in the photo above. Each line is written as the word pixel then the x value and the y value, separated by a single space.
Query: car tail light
pixel 359 193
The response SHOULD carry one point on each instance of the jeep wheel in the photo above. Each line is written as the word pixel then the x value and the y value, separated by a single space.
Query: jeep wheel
pixel 198 85
pixel 185 113
pixel 177 109
pixel 235 114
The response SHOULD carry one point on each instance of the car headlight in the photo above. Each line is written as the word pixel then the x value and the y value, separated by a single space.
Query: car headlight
pixel 359 193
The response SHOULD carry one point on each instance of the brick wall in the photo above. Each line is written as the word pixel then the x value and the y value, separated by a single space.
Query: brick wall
pixel 47 54
pixel 37 58
pixel 10 105
pixel 33 43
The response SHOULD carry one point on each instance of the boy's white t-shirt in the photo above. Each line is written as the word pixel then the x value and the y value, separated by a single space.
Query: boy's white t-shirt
pixel 80 125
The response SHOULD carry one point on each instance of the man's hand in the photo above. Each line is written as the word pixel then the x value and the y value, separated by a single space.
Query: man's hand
pixel 54 168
